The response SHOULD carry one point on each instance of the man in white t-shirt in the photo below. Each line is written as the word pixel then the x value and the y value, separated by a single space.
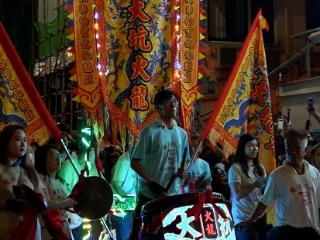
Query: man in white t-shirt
pixel 295 188
pixel 160 153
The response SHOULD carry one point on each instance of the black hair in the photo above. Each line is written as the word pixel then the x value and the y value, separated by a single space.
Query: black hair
pixel 5 136
pixel 240 156
pixel 41 156
pixel 162 96
pixel 294 133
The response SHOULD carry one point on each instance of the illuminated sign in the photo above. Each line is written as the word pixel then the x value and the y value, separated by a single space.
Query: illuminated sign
pixel 180 224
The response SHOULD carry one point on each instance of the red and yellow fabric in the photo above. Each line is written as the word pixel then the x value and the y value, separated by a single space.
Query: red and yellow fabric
pixel 190 25
pixel 85 73
pixel 245 105
pixel 20 101
pixel 138 40
pixel 139 45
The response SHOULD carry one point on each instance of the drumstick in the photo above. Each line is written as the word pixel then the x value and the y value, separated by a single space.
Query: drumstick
pixel 194 157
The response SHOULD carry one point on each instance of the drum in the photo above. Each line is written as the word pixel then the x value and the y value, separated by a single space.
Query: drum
pixel 187 216
pixel 94 197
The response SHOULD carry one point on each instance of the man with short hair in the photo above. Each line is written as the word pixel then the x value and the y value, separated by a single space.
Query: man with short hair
pixel 161 152
pixel 295 188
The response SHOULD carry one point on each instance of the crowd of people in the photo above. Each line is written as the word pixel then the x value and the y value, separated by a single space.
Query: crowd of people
pixel 37 182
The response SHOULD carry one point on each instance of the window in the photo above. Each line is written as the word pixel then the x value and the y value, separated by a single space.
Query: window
pixel 229 20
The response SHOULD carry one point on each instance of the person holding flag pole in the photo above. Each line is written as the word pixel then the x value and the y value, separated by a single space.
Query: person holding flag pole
pixel 24 118
pixel 244 107
pixel 161 153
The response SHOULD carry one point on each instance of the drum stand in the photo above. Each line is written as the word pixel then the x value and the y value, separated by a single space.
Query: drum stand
pixel 102 221
pixel 105 226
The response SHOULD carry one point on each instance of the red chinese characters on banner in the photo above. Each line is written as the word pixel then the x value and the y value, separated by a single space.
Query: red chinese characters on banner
pixel 138 68
pixel 137 12
pixel 139 42
pixel 85 43
pixel 138 98
pixel 260 92
pixel 266 119
pixel 138 39
pixel 189 44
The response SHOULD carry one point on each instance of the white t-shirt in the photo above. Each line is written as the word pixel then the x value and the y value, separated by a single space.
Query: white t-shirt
pixel 243 208
pixel 124 174
pixel 68 175
pixel 161 151
pixel 297 197
pixel 54 191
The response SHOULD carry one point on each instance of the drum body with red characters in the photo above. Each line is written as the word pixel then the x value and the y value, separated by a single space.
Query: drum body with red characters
pixel 187 216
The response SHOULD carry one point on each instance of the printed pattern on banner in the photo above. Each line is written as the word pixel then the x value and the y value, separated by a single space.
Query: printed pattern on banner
pixel 20 102
pixel 87 75
pixel 191 57
pixel 138 52
pixel 245 105
pixel 88 92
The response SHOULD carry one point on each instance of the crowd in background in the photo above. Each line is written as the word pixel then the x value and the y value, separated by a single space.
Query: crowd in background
pixel 240 178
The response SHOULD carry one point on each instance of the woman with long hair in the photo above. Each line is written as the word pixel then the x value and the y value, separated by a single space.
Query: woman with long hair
pixel 246 179
pixel 47 158
pixel 14 172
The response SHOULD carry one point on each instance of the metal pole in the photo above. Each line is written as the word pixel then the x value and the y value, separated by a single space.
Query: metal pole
pixel 104 224
pixel 71 159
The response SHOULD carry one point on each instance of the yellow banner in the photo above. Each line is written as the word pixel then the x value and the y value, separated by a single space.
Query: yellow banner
pixel 190 25
pixel 245 105
pixel 20 102
pixel 87 75
pixel 88 91
pixel 138 47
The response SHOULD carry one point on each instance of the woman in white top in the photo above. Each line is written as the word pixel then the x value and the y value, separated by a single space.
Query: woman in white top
pixel 18 219
pixel 47 159
pixel 246 179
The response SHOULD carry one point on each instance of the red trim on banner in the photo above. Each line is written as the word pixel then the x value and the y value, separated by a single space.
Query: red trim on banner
pixel 231 76
pixel 28 84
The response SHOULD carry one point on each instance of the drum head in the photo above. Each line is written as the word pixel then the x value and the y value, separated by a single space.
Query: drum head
pixel 95 198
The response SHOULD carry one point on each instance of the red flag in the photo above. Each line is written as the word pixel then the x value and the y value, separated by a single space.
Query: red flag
pixel 245 105
pixel 20 101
